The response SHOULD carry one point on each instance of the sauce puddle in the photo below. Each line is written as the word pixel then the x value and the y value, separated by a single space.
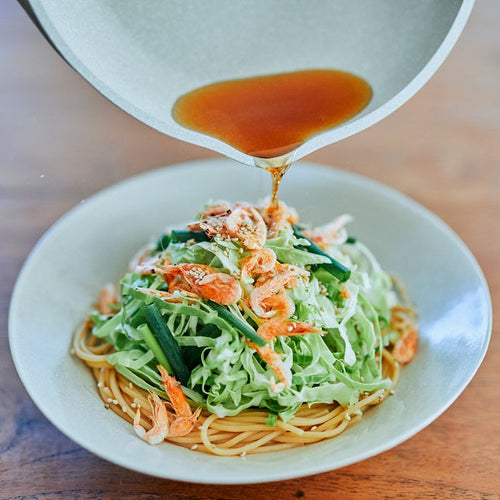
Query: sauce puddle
pixel 268 117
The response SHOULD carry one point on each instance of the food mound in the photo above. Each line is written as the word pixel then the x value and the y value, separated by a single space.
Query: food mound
pixel 246 332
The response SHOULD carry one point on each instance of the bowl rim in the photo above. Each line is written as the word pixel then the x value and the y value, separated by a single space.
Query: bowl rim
pixel 306 470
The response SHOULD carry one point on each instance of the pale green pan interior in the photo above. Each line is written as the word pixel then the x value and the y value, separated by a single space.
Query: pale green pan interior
pixel 144 54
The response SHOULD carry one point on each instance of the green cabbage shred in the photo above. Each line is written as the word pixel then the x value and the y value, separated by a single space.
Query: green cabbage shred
pixel 227 375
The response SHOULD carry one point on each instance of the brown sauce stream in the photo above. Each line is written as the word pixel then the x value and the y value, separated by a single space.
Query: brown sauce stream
pixel 269 116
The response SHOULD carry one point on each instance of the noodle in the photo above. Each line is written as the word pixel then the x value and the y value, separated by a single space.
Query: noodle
pixel 247 432
pixel 252 282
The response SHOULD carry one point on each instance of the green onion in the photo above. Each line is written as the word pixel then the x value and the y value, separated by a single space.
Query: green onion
pixel 163 243
pixel 334 267
pixel 169 346
pixel 181 236
pixel 192 354
pixel 152 343
pixel 351 240
pixel 239 325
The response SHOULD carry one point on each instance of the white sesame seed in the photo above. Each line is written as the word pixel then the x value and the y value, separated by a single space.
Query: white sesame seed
pixel 115 402
pixel 124 409
pixel 99 384
pixel 357 412
pixel 314 427
pixel 133 405
pixel 194 447
pixel 347 416
pixel 392 391
pixel 243 453
pixel 109 400
pixel 289 328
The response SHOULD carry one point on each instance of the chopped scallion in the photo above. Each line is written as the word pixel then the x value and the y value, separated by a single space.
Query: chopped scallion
pixel 334 267
pixel 236 323
pixel 163 335
pixel 181 236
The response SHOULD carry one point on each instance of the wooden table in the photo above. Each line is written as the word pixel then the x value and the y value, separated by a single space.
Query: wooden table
pixel 60 142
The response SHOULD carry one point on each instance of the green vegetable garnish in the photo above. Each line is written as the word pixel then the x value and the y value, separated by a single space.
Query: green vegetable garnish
pixel 334 267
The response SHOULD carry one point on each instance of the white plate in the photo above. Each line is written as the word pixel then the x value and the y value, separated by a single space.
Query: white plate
pixel 93 242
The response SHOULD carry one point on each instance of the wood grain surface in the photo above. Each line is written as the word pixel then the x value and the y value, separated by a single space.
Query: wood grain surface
pixel 60 142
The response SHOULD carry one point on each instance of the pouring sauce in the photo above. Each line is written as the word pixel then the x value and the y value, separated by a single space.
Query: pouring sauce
pixel 269 116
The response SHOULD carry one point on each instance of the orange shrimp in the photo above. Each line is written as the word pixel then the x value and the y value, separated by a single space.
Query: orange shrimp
pixel 246 224
pixel 211 226
pixel 159 417
pixel 276 327
pixel 213 219
pixel 218 209
pixel 278 305
pixel 273 360
pixel 139 258
pixel 403 320
pixel 184 419
pixel 406 347
pixel 278 216
pixel 270 283
pixel 333 232
pixel 271 329
pixel 107 298
pixel 259 261
pixel 204 281
pixel 152 265
pixel 167 424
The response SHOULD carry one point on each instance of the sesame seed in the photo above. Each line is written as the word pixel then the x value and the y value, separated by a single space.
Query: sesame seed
pixel 314 427
pixel 130 385
pixel 289 328
pixel 243 453
pixel 115 402
pixel 392 391
pixel 124 409
pixel 347 416
pixel 109 400
pixel 194 447
pixel 133 405
pixel 99 384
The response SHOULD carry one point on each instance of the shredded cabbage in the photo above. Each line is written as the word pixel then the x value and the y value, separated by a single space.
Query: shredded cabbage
pixel 227 374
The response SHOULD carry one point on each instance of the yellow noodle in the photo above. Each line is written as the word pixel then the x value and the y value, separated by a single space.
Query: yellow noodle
pixel 246 433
